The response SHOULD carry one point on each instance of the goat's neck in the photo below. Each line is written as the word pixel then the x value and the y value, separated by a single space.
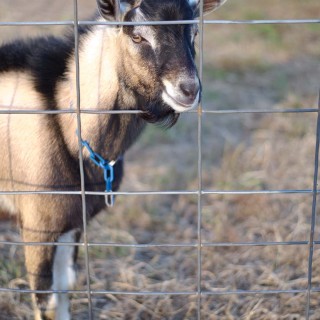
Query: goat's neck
pixel 100 89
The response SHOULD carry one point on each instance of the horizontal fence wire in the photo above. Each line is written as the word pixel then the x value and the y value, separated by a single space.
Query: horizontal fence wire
pixel 3 110
pixel 165 293
pixel 160 245
pixel 160 192
pixel 154 23
pixel 200 192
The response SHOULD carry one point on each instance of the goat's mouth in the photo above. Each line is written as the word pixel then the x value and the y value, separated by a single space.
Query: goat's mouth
pixel 178 105
pixel 160 113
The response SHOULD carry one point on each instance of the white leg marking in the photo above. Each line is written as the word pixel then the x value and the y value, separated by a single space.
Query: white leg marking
pixel 64 277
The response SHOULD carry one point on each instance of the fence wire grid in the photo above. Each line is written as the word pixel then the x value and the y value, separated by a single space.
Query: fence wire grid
pixel 199 192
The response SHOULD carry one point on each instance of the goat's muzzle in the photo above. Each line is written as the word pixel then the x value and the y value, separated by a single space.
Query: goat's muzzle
pixel 184 96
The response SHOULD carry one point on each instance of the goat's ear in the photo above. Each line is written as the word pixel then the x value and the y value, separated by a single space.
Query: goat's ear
pixel 115 10
pixel 208 5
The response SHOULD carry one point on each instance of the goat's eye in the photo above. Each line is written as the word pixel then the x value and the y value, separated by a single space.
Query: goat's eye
pixel 136 38
pixel 195 33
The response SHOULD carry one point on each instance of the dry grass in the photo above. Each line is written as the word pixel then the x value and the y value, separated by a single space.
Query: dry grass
pixel 262 67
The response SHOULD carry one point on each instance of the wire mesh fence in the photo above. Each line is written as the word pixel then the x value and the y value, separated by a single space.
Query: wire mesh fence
pixel 199 244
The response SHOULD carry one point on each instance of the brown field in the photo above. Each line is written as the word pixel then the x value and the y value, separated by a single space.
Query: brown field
pixel 258 67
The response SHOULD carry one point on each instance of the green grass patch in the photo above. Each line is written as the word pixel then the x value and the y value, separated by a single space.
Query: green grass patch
pixel 280 85
pixel 156 135
pixel 212 73
pixel 268 32
pixel 209 97
pixel 9 270
pixel 315 27
pixel 104 253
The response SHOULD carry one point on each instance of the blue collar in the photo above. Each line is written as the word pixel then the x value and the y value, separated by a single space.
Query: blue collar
pixel 108 170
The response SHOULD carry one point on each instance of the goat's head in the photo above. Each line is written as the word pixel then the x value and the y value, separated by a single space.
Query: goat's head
pixel 158 61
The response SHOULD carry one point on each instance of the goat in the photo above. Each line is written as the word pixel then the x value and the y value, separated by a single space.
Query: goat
pixel 149 68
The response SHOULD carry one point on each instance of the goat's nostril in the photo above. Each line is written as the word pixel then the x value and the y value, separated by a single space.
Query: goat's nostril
pixel 190 89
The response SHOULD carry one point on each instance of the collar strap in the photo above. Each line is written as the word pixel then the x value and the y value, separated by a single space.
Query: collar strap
pixel 108 170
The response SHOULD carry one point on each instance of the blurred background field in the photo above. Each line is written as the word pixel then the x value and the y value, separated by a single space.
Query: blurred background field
pixel 256 67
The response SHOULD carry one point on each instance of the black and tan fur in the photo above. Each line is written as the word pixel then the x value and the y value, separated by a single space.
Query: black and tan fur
pixel 121 68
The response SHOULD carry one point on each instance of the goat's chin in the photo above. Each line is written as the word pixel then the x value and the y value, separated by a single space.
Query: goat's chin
pixel 161 114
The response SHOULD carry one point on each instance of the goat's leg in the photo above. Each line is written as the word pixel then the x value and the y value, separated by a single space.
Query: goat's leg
pixel 50 268
pixel 39 264
pixel 64 276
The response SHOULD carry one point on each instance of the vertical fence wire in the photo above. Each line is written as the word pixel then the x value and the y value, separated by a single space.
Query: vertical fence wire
pixel 200 115
pixel 81 165
pixel 314 212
